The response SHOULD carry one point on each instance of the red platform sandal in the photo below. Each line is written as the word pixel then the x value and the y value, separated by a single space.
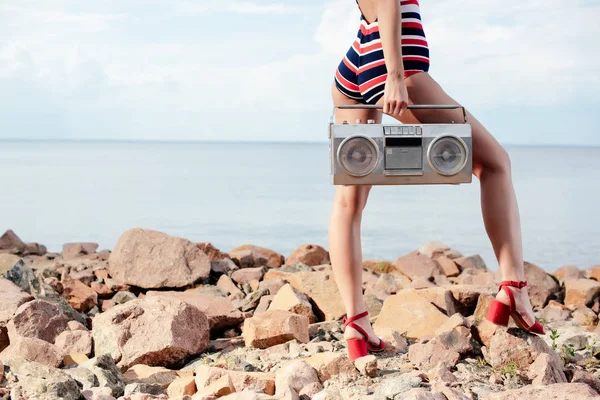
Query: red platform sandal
pixel 499 312
pixel 360 347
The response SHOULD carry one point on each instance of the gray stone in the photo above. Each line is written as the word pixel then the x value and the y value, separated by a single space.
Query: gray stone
pixel 15 270
pixel 84 376
pixel 107 373
pixel 149 388
pixel 393 386
pixel 37 381
pixel 123 297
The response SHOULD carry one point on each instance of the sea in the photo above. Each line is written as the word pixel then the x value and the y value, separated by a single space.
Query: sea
pixel 279 195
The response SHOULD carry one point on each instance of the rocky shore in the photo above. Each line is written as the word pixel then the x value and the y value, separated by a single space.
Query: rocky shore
pixel 161 317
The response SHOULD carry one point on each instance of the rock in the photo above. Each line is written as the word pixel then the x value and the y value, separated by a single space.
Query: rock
pixel 441 374
pixel 296 374
pixel 1 371
pixel 14 269
pixel 415 265
pixel 259 381
pixel 321 288
pixel 584 316
pixel 545 370
pixel 425 356
pixel 107 305
pixel 449 267
pixel 33 349
pixel 568 272
pixel 128 332
pixel 580 376
pixel 221 387
pixel 309 391
pixel 44 292
pixel 394 341
pixel 223 267
pixel 85 378
pixel 4 342
pixel 80 297
pixel 116 286
pixel 421 283
pixel 410 314
pixel 309 254
pixel 107 373
pixel 151 259
pixel 74 342
pixel 263 304
pixel 289 299
pixel 373 304
pixel 475 262
pixel 557 391
pixel 140 373
pixel 555 312
pixel 581 292
pixel 225 283
pixel 182 386
pixel 74 250
pixel 74 359
pixel 251 302
pixel 247 275
pixel 11 298
pixel 384 287
pixel 146 388
pixel 102 290
pixel 390 388
pixel 484 330
pixel 579 342
pixel 433 249
pixel 10 242
pixel 476 277
pixel 378 266
pixel 540 285
pixel 454 321
pixel 328 394
pixel 367 365
pixel 274 259
pixel 272 285
pixel 219 310
pixel 422 394
pixel 37 381
pixel 38 319
pixel 518 347
pixel 275 327
pixel 123 297
pixel 329 364
pixel 467 296
pixel 97 394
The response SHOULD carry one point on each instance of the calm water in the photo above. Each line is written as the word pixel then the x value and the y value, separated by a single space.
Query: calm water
pixel 279 196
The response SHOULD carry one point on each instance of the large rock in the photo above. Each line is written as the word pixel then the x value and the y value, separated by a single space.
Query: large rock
pixel 74 250
pixel 38 319
pixel 289 299
pixel 275 327
pixel 569 272
pixel 151 259
pixel 329 364
pixel 219 310
pixel 519 347
pixel 45 292
pixel 11 243
pixel 75 342
pixel 33 349
pixel 320 286
pixel 107 373
pixel 247 275
pixel 15 270
pixel 296 374
pixel 260 381
pixel 410 313
pixel 11 298
pixel 144 374
pixel 415 265
pixel 309 254
pixel 581 292
pixel 37 381
pixel 555 312
pixel 273 259
pixel 80 296
pixel 545 370
pixel 130 332
pixel 557 391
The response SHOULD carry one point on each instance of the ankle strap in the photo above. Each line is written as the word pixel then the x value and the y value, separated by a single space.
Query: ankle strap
pixel 517 284
pixel 348 321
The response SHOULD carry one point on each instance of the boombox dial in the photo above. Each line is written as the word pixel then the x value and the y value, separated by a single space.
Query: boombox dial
pixel 447 155
pixel 358 155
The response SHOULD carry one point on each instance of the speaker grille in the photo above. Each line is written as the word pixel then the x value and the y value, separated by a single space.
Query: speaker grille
pixel 358 156
pixel 447 155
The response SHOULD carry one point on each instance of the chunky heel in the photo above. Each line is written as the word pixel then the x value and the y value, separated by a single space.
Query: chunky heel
pixel 357 348
pixel 498 313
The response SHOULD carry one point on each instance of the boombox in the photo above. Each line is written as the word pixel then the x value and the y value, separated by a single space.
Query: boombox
pixel 399 154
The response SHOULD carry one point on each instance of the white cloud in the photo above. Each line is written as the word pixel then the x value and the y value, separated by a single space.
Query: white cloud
pixel 239 7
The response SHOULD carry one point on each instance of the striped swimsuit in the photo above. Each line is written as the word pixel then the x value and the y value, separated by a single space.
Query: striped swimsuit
pixel 362 73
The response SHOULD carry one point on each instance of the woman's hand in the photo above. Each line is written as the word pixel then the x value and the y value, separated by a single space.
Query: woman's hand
pixel 395 95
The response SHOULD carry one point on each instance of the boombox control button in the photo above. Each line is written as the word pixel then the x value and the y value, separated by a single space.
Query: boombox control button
pixel 370 121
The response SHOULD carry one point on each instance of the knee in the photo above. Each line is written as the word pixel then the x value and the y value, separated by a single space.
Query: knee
pixel 350 202
pixel 497 162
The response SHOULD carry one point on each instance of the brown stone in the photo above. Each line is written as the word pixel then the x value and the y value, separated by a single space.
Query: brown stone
pixel 367 365
pixel 38 319
pixel 221 387
pixel 220 311
pixel 116 286
pixel 183 386
pixel 80 297
pixel 556 391
pixel 272 285
pixel 385 286
pixel 445 348
pixel 309 254
pixel 410 313
pixel 263 304
pixel 320 286
pixel 555 312
pixel 10 242
pixel 378 266
pixel 309 391
pixel 259 381
pixel 581 292
pixel 128 332
pixel 545 370
pixel 74 359
pixel 225 283
pixel 102 290
pixel 140 373
pixel 11 298
pixel 329 364
pixel 212 252
pixel 454 321
pixel 415 265
pixel 73 250
pixel 33 349
pixel 483 305
pixel 247 275
pixel 394 341
pixel 421 283
pixel 485 330
pixel 586 377
pixel 433 249
pixel 295 375
pixel 584 316
pixel 275 327
pixel 476 277
pixel 290 299
pixel 569 272
pixel 101 273
pixel 449 267
pixel 1 371
pixel 107 305
pixel 75 342
pixel 151 259
pixel 474 261
pixel 274 259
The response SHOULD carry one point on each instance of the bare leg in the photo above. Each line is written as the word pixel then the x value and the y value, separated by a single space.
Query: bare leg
pixel 344 230
pixel 491 164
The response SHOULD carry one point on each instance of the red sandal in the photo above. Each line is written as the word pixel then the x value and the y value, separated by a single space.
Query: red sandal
pixel 360 347
pixel 499 312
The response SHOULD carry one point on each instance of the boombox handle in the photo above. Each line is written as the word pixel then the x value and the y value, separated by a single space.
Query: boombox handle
pixel 410 107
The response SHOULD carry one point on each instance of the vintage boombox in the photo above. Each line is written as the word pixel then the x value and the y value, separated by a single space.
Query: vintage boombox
pixel 398 154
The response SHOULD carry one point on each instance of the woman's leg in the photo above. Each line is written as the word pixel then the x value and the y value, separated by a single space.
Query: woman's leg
pixel 344 230
pixel 491 164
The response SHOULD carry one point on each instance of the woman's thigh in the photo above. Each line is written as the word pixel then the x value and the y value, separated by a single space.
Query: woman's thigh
pixel 423 89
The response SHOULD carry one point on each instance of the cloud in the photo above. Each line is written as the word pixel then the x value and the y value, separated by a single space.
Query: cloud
pixel 239 7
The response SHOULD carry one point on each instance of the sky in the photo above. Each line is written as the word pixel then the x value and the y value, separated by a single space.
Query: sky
pixel 261 70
